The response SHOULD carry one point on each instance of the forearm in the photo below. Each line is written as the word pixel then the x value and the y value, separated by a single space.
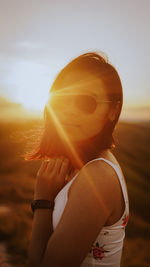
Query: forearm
pixel 50 180
pixel 42 229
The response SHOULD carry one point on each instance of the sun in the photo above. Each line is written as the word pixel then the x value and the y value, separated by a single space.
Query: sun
pixel 31 84
pixel 35 100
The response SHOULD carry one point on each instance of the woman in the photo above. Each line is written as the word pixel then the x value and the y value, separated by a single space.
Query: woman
pixel 80 200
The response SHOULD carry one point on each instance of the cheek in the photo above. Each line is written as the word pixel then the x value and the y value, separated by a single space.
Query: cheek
pixel 96 117
pixel 95 121
pixel 102 111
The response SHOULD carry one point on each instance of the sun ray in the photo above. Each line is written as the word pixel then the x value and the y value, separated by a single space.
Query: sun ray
pixel 78 160
pixel 69 89
pixel 64 135
pixel 96 193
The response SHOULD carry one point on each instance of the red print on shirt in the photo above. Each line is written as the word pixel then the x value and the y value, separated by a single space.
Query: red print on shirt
pixel 98 252
pixel 125 220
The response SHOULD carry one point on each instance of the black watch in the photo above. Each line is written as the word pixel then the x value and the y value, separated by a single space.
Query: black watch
pixel 42 204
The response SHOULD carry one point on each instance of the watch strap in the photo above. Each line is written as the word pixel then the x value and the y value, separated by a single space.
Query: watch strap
pixel 42 204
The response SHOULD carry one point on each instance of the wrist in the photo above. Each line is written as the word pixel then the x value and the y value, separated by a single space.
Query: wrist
pixel 42 204
pixel 46 197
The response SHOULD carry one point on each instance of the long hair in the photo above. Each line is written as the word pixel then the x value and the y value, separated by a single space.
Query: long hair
pixel 51 143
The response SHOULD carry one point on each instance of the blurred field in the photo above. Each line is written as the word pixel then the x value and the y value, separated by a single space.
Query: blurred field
pixel 17 183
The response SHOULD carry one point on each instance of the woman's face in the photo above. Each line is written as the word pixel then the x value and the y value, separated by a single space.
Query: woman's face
pixel 75 114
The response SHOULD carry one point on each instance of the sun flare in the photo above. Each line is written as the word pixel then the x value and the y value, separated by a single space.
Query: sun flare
pixel 31 83
pixel 35 101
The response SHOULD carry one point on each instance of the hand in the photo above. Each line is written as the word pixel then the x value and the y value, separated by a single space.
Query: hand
pixel 51 178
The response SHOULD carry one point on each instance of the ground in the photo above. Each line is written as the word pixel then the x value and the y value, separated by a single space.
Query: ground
pixel 17 183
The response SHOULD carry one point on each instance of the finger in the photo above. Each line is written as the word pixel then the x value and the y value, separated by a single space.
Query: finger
pixel 50 165
pixel 42 168
pixel 57 165
pixel 64 168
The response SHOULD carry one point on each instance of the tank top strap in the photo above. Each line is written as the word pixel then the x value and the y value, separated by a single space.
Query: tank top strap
pixel 120 177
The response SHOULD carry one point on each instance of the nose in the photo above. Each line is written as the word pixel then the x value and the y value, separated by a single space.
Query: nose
pixel 66 115
pixel 64 106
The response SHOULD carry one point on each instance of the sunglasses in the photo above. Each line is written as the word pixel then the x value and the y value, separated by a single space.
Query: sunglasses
pixel 85 103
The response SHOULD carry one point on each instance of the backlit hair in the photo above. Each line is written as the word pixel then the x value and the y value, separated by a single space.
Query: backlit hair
pixel 95 64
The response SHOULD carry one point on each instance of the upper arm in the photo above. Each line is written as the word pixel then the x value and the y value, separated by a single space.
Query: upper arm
pixel 88 207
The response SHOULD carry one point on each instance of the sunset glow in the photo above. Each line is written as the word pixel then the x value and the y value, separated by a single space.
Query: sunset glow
pixel 30 84
pixel 35 49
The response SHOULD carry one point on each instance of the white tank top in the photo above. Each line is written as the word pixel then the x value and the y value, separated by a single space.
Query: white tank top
pixel 107 248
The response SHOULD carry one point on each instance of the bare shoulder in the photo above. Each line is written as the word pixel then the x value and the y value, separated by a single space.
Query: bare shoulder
pixel 87 210
pixel 96 178
pixel 98 171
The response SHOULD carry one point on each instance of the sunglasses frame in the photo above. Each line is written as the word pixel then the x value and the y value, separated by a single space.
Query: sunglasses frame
pixel 82 94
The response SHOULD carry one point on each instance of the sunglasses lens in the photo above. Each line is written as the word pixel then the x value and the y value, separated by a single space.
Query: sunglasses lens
pixel 86 103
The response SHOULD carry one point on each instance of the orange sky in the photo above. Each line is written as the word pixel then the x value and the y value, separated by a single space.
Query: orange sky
pixel 39 37
pixel 16 111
